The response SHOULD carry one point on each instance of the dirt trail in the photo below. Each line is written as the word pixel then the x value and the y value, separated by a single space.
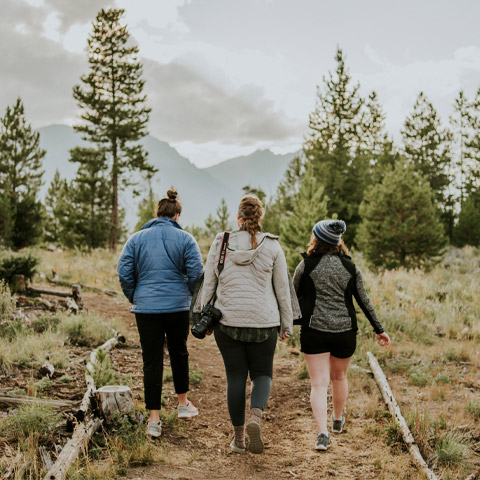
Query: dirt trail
pixel 198 448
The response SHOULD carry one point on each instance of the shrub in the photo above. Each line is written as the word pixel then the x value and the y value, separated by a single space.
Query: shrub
pixel 7 303
pixel 85 330
pixel 473 407
pixel 420 378
pixel 103 371
pixel 46 322
pixel 17 264
pixel 451 450
pixel 33 419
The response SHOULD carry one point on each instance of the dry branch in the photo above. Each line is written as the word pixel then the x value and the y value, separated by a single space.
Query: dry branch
pixel 14 400
pixel 397 415
pixel 72 449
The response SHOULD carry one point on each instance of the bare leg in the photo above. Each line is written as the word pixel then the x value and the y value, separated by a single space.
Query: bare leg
pixel 154 416
pixel 182 398
pixel 338 376
pixel 319 371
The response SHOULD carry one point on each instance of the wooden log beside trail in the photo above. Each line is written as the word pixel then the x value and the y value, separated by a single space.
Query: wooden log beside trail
pixel 15 400
pixel 73 448
pixel 394 409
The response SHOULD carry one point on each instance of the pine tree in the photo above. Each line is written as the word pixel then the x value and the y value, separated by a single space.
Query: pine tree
pixel 472 153
pixel 220 222
pixel 401 225
pixel 146 208
pixel 55 208
pixel 427 146
pixel 460 121
pixel 257 192
pixel 310 206
pixel 113 104
pixel 467 230
pixel 20 178
pixel 334 145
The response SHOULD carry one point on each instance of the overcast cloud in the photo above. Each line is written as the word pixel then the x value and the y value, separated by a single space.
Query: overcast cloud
pixel 227 77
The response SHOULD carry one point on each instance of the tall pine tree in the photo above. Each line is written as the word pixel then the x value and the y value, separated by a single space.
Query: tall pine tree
pixel 20 179
pixel 333 147
pixel 113 106
pixel 473 147
pixel 427 148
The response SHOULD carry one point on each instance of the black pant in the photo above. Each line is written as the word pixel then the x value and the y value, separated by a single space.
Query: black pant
pixel 240 359
pixel 152 328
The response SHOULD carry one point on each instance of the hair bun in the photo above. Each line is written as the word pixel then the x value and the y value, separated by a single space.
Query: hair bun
pixel 172 194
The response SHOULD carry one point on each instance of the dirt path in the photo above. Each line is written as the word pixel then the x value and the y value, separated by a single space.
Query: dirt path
pixel 198 448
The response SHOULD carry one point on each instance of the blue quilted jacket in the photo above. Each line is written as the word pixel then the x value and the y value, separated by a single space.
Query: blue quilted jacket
pixel 158 267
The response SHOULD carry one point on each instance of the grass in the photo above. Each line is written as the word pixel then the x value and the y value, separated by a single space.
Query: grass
pixel 452 451
pixel 473 407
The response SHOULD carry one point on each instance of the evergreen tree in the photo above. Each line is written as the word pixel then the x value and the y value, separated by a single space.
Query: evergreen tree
pixel 427 148
pixel 20 178
pixel 258 192
pixel 460 121
pixel 472 153
pixel 55 208
pixel 334 145
pixel 310 206
pixel 113 104
pixel 467 230
pixel 146 208
pixel 401 225
pixel 221 221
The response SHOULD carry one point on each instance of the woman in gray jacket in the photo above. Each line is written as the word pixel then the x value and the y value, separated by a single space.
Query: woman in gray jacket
pixel 253 295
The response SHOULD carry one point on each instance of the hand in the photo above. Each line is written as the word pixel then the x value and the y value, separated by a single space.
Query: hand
pixel 383 339
pixel 284 336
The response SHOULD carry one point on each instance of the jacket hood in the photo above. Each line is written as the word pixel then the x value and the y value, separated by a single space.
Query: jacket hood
pixel 239 246
pixel 158 222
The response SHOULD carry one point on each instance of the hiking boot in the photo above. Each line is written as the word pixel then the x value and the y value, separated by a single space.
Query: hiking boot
pixel 255 440
pixel 323 441
pixel 154 429
pixel 187 411
pixel 235 448
pixel 337 425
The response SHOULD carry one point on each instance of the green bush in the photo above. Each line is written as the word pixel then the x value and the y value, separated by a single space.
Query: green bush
pixel 473 407
pixel 17 264
pixel 33 419
pixel 7 303
pixel 451 450
pixel 103 371
pixel 46 322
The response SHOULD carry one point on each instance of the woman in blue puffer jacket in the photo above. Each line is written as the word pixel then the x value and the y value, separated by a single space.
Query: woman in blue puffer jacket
pixel 158 268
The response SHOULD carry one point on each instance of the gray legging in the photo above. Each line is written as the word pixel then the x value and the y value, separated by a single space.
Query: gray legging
pixel 242 358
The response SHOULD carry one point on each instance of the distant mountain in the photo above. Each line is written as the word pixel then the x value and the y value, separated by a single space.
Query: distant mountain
pixel 200 190
pixel 261 168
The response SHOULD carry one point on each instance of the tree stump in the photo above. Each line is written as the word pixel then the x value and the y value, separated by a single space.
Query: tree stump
pixel 113 400
pixel 77 295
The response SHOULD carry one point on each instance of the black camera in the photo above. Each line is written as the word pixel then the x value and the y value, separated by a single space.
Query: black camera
pixel 210 317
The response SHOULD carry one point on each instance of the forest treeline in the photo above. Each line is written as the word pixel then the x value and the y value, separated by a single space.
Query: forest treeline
pixel 402 202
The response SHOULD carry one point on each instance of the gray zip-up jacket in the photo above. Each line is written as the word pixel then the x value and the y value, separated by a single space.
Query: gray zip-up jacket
pixel 253 289
pixel 335 285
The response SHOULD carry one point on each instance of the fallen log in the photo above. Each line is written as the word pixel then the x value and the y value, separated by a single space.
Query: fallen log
pixel 15 400
pixel 46 291
pixel 397 415
pixel 72 449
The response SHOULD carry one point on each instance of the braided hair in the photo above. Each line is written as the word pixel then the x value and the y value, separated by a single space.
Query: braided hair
pixel 169 206
pixel 251 211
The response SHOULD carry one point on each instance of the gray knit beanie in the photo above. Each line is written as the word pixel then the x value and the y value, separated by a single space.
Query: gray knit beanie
pixel 330 231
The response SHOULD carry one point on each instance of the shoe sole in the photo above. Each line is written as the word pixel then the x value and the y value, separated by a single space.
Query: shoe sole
pixel 187 415
pixel 321 448
pixel 236 449
pixel 255 441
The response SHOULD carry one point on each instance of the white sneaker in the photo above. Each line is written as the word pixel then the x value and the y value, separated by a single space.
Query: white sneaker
pixel 187 411
pixel 154 429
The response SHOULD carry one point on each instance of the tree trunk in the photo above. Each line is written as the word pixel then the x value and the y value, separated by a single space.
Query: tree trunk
pixel 114 230
pixel 113 400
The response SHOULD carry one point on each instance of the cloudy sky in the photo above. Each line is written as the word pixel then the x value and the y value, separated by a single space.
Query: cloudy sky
pixel 225 77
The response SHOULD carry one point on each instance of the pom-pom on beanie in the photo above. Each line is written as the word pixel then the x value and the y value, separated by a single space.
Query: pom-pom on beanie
pixel 329 231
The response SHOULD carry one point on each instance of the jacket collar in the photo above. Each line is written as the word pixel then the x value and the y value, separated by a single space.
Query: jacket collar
pixel 160 222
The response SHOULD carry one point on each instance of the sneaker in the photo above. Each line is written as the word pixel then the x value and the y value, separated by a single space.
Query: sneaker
pixel 255 440
pixel 235 448
pixel 154 429
pixel 337 425
pixel 187 411
pixel 323 441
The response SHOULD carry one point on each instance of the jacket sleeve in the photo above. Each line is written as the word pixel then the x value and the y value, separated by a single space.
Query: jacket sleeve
pixel 210 279
pixel 281 287
pixel 298 275
pixel 365 304
pixel 126 269
pixel 193 262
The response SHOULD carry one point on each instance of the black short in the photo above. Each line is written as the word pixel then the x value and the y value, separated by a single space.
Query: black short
pixel 339 345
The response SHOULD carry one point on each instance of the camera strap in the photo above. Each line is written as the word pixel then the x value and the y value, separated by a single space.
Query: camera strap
pixel 221 261
pixel 223 252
